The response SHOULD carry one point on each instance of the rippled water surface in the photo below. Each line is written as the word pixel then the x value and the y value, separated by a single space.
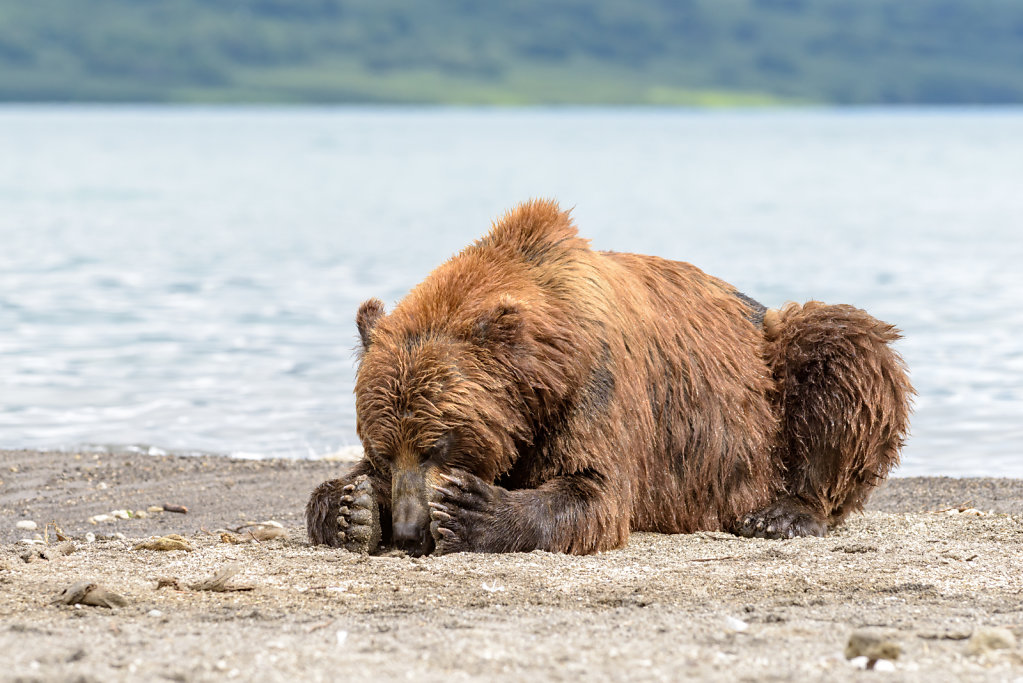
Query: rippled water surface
pixel 187 278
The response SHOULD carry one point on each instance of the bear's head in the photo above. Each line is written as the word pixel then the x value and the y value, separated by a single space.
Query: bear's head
pixel 436 391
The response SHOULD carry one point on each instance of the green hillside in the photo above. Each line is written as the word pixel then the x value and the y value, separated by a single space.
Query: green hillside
pixel 702 52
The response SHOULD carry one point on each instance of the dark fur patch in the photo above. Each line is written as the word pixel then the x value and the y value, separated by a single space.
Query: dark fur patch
pixel 756 309
pixel 599 389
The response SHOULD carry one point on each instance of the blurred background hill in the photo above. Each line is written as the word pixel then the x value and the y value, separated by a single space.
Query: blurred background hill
pixel 699 52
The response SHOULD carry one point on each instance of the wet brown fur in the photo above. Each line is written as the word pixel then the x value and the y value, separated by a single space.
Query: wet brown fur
pixel 596 393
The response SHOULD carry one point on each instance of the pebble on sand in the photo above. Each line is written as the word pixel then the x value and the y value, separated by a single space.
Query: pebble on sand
pixel 26 525
pixel 168 542
pixel 872 645
pixel 990 638
pixel 88 593
pixel 884 665
pixel 735 625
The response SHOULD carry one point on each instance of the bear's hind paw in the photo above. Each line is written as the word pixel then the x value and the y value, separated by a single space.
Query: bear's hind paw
pixel 784 518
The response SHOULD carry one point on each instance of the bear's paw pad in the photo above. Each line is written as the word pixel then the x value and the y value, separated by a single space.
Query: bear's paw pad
pixel 358 517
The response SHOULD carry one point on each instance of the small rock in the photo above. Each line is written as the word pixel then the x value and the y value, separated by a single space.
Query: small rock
pixel 853 548
pixel 121 514
pixel 102 486
pixel 38 552
pixel 87 593
pixel 735 625
pixel 872 645
pixel 90 537
pixel 261 533
pixel 31 541
pixel 141 514
pixel 884 665
pixel 342 636
pixel 860 662
pixel 218 582
pixel 155 613
pixel 168 542
pixel 990 638
pixel 96 519
pixel 154 508
pixel 26 525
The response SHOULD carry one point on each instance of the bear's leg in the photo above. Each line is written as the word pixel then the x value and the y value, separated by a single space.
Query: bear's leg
pixel 576 514
pixel 346 512
pixel 843 397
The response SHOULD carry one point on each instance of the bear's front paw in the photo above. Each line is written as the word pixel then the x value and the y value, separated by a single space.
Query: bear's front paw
pixel 462 511
pixel 784 518
pixel 358 518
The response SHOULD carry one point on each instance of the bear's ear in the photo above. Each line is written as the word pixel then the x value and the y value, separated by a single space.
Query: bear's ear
pixel 502 324
pixel 366 319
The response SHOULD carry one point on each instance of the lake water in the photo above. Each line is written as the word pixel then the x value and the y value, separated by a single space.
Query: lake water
pixel 187 278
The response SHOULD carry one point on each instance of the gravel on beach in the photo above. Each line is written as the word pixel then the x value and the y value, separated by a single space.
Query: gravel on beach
pixel 926 585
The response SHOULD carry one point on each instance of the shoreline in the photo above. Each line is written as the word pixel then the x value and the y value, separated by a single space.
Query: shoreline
pixel 913 567
pixel 69 488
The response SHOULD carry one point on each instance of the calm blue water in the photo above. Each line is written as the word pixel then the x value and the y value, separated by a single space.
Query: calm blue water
pixel 187 278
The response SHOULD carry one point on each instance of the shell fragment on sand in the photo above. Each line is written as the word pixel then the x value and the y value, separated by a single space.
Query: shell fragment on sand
pixel 88 593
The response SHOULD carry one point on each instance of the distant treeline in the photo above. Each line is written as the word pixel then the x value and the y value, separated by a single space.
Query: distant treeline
pixel 526 51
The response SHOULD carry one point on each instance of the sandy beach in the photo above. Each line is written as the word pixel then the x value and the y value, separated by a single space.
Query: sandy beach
pixel 932 570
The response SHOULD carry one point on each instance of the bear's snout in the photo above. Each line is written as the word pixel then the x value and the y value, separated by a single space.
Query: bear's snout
pixel 410 516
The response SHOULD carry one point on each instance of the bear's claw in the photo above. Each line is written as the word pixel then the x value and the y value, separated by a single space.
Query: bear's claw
pixel 460 513
pixel 446 492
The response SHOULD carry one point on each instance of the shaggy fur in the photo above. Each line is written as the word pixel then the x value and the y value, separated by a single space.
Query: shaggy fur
pixel 534 393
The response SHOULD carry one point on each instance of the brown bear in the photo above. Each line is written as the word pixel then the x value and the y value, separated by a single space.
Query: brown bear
pixel 533 393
